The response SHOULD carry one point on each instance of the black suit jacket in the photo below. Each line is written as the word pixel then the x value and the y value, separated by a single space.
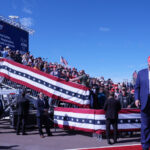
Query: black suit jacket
pixel 41 105
pixel 112 107
pixel 1 108
pixel 22 106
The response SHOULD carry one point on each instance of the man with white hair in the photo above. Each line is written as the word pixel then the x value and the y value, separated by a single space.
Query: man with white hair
pixel 142 101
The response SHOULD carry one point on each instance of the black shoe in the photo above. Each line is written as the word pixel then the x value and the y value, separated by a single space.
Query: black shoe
pixel 24 133
pixel 108 141
pixel 50 134
pixel 115 141
pixel 17 133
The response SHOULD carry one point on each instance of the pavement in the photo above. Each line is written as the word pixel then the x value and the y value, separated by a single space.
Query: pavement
pixel 61 139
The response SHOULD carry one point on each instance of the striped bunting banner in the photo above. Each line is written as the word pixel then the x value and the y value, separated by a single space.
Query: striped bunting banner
pixel 42 82
pixel 90 120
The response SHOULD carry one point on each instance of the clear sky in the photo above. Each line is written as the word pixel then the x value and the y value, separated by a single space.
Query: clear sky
pixel 109 38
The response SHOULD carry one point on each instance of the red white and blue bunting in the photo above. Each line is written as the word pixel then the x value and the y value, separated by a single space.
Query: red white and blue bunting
pixel 42 82
pixel 90 120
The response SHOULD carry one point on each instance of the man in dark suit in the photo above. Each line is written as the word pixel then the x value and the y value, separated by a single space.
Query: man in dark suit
pixel 22 112
pixel 142 99
pixel 1 108
pixel 42 115
pixel 111 107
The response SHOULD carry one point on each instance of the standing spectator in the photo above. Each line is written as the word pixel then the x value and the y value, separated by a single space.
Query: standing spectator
pixel 36 66
pixel 134 77
pixel 55 72
pixel 132 103
pixel 101 98
pixel 10 55
pixel 117 93
pixel 0 50
pixel 46 68
pixel 18 57
pixel 74 75
pixel 64 76
pixel 30 64
pixel 111 107
pixel 22 111
pixel 94 95
pixel 106 90
pixel 24 59
pixel 124 98
pixel 4 53
pixel 82 77
pixel 68 74
pixel 42 115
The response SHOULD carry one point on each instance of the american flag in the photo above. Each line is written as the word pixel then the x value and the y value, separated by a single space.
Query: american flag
pixel 42 82
pixel 90 120
pixel 63 61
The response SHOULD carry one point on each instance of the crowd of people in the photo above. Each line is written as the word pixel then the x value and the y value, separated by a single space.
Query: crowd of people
pixel 99 87
pixel 103 93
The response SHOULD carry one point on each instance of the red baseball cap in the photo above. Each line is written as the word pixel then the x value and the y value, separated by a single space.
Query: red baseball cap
pixel 132 91
pixel 112 90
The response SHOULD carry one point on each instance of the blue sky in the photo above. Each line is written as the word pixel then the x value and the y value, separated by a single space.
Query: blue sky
pixel 109 38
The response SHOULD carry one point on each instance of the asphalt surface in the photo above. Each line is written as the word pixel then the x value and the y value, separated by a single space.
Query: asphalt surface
pixel 61 139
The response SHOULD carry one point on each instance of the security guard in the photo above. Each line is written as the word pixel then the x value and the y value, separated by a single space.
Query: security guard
pixel 22 112
pixel 111 107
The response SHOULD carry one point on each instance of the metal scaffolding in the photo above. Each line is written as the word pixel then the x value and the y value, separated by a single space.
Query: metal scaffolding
pixel 17 24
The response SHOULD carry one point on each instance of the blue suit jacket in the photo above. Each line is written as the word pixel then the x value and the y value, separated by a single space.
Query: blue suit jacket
pixel 142 88
pixel 41 105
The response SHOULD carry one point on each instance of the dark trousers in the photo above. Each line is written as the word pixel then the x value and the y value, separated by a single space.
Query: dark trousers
pixel 145 129
pixel 145 125
pixel 43 120
pixel 112 122
pixel 21 120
